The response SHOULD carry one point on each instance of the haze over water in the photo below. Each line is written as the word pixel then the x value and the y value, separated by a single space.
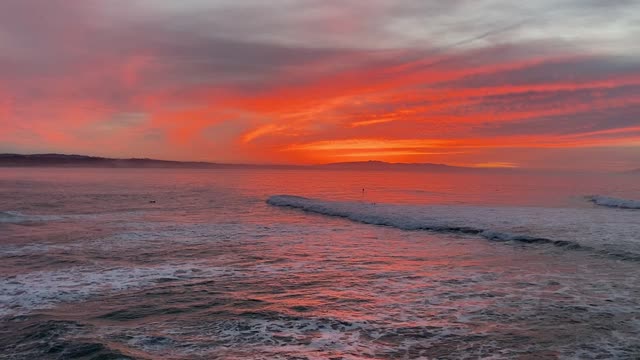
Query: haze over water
pixel 196 264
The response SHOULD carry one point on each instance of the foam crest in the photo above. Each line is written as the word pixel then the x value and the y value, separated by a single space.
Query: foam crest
pixel 42 289
pixel 615 202
pixel 18 217
pixel 590 229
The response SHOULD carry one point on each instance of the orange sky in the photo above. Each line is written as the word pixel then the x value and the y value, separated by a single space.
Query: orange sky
pixel 322 81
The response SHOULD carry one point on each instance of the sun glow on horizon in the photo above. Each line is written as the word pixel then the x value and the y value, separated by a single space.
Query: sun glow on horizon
pixel 491 93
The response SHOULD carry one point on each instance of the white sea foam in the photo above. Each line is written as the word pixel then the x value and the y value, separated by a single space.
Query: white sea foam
pixel 42 289
pixel 599 229
pixel 615 202
pixel 18 217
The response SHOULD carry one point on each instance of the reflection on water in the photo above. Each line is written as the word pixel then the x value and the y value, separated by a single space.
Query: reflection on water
pixel 211 271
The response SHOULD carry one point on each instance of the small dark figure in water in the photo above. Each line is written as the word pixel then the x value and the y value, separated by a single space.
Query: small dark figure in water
pixel 152 202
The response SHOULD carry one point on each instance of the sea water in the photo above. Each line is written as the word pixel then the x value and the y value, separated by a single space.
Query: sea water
pixel 295 264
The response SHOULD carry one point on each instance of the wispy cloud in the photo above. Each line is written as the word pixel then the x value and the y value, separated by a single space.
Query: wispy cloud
pixel 309 81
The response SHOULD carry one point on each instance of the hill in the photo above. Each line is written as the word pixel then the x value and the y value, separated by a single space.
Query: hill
pixel 63 160
pixel 75 161
pixel 387 166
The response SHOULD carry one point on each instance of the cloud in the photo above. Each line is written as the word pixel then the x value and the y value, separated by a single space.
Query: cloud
pixel 317 80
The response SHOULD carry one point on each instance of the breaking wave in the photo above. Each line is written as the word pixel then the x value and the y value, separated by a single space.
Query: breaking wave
pixel 18 217
pixel 582 229
pixel 615 202
pixel 22 293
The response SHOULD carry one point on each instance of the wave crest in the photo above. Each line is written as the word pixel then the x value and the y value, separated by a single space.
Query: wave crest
pixel 584 229
pixel 16 217
pixel 615 202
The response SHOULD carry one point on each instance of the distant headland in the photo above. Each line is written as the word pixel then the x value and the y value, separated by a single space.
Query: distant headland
pixel 84 161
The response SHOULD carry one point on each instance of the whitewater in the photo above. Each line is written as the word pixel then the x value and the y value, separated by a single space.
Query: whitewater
pixel 615 233
pixel 615 202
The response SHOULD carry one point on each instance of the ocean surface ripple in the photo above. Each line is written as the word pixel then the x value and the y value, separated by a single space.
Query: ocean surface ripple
pixel 154 264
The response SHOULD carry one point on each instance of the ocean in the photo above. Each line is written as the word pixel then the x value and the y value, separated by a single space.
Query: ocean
pixel 293 264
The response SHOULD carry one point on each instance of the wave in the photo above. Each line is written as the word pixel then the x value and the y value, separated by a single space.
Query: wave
pixel 580 229
pixel 23 293
pixel 9 215
pixel 615 202
pixel 18 217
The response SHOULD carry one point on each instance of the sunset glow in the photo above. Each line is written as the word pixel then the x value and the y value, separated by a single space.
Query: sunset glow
pixel 554 84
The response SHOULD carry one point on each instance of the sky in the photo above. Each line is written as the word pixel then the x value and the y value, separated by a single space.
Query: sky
pixel 534 84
